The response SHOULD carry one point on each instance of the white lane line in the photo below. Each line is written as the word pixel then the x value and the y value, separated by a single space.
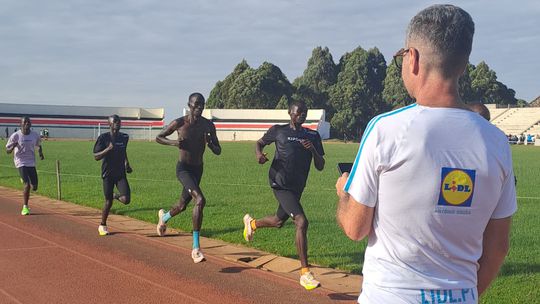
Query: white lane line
pixel 27 248
pixel 10 296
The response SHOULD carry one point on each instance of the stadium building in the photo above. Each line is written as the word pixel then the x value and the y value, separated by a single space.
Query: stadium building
pixel 251 124
pixel 82 122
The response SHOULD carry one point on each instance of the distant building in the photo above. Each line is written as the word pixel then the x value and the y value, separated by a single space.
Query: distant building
pixel 84 122
pixel 251 124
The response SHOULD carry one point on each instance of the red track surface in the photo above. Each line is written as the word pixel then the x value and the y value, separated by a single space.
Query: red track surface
pixel 50 257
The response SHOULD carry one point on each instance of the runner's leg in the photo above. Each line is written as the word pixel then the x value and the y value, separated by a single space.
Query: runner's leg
pixel 124 195
pixel 108 186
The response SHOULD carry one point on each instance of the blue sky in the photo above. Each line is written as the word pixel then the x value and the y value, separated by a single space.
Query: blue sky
pixel 155 53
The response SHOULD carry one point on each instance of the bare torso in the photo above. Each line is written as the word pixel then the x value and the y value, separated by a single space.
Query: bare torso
pixel 192 136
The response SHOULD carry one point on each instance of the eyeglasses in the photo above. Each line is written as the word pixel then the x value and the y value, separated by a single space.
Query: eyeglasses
pixel 400 53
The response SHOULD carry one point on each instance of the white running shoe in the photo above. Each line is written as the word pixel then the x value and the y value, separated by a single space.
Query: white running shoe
pixel 197 255
pixel 248 231
pixel 161 226
pixel 102 230
pixel 308 281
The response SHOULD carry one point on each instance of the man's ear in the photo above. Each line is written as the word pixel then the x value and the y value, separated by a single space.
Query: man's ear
pixel 414 61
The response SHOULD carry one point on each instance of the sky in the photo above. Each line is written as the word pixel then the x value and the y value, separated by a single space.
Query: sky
pixel 153 54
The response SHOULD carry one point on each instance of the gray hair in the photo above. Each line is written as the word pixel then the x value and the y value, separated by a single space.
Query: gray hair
pixel 448 31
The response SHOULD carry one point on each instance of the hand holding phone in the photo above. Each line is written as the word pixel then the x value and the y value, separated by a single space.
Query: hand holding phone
pixel 344 167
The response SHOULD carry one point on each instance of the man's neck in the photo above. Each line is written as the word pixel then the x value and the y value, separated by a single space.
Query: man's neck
pixel 193 118
pixel 439 94
pixel 295 126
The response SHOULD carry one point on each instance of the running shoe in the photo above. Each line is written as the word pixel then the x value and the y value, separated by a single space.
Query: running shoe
pixel 308 281
pixel 161 226
pixel 248 231
pixel 25 211
pixel 102 229
pixel 197 255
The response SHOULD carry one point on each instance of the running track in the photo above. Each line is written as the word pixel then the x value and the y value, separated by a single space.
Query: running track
pixel 50 257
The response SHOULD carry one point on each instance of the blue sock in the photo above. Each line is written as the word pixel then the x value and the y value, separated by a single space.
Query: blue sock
pixel 167 216
pixel 195 239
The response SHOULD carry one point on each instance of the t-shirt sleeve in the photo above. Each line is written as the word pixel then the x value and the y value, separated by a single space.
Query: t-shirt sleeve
pixel 363 181
pixel 507 204
pixel 12 140
pixel 38 140
pixel 270 136
pixel 100 144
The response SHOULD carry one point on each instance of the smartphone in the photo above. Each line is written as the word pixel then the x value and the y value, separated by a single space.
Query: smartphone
pixel 344 167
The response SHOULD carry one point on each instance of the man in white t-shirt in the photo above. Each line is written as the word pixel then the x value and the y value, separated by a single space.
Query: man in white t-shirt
pixel 432 184
pixel 23 143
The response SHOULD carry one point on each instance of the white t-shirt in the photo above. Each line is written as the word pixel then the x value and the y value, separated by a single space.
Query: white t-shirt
pixel 24 153
pixel 435 176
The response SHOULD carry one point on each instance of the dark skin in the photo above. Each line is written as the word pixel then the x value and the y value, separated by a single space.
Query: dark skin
pixel 26 124
pixel 114 126
pixel 298 116
pixel 194 134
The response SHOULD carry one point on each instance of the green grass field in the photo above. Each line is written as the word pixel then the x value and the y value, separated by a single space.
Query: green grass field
pixel 235 184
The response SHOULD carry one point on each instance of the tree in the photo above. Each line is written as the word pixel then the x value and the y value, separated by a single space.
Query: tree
pixel 466 91
pixel 283 103
pixel 220 93
pixel 318 77
pixel 357 95
pixel 486 87
pixel 248 88
pixel 394 92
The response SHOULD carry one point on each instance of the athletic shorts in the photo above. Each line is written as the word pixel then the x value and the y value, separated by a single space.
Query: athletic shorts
pixel 189 175
pixel 29 175
pixel 121 184
pixel 289 204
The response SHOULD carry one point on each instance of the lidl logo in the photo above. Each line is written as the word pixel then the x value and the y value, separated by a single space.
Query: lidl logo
pixel 457 187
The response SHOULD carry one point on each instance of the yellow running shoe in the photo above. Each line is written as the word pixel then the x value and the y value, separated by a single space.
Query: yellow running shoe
pixel 248 231
pixel 308 281
pixel 103 230
pixel 25 210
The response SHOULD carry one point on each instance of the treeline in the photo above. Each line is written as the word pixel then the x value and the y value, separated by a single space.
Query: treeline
pixel 353 91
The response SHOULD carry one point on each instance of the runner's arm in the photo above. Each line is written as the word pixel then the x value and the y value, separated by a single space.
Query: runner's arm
pixel 354 218
pixel 128 167
pixel 101 154
pixel 261 157
pixel 40 152
pixel 162 136
pixel 495 247
pixel 10 148
pixel 318 159
pixel 212 140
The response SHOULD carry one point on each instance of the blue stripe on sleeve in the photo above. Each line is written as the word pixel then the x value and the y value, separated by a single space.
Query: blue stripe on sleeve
pixel 369 127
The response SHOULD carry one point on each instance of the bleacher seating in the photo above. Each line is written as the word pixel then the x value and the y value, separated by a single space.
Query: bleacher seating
pixel 517 120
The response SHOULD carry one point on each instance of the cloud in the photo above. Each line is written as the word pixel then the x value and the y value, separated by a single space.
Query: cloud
pixel 155 53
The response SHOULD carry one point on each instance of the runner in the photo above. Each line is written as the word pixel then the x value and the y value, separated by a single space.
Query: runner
pixel 194 131
pixel 111 148
pixel 295 147
pixel 23 142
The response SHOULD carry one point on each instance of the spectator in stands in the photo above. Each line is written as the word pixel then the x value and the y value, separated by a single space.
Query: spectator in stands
pixel 431 239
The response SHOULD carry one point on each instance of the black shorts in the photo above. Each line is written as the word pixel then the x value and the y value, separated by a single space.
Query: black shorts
pixel 289 204
pixel 29 176
pixel 121 184
pixel 189 175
